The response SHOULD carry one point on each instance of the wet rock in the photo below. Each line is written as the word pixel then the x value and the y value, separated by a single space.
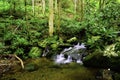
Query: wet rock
pixel 72 40
pixel 31 67
pixel 116 76
pixel 106 73
pixel 115 63
pixel 71 54
pixel 97 59
pixel 13 79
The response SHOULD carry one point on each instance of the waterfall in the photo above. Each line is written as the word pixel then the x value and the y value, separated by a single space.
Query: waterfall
pixel 73 54
pixel 60 59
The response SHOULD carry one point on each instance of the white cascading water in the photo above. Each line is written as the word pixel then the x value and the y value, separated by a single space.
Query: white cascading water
pixel 60 58
pixel 68 60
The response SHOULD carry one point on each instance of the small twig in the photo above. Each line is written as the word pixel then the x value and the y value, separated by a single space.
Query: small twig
pixel 5 64
pixel 22 64
pixel 16 29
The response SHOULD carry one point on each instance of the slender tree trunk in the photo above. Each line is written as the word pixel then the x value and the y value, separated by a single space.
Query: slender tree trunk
pixel 59 9
pixel 56 6
pixel 100 2
pixel 75 6
pixel 11 7
pixel 43 6
pixel 14 5
pixel 80 10
pixel 33 7
pixel 25 9
pixel 51 16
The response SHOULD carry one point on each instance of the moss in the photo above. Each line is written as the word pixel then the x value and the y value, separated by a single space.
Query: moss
pixel 72 40
pixel 97 59
pixel 115 63
pixel 117 76
pixel 31 67
pixel 49 71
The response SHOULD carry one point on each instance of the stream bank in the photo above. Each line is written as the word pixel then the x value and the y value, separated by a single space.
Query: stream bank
pixel 44 69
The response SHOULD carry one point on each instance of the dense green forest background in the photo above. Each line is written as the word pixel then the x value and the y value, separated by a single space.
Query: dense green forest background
pixel 28 27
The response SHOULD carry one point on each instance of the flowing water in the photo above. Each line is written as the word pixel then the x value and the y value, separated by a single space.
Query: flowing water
pixel 74 54
pixel 65 66
pixel 48 70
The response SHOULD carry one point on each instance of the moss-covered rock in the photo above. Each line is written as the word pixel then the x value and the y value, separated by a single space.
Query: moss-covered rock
pixel 115 63
pixel 54 46
pixel 72 40
pixel 48 41
pixel 116 76
pixel 97 59
pixel 31 67
pixel 35 52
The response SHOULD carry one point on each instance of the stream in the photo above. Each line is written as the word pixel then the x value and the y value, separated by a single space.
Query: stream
pixel 44 69
pixel 66 65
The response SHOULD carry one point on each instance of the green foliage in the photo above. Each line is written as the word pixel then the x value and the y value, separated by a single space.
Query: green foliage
pixel 19 51
pixel 71 27
pixel 117 76
pixel 4 6
pixel 18 41
pixel 35 52
pixel 1 45
pixel 48 41
pixel 8 36
pixel 117 48
pixel 21 30
pixel 110 51
pixel 103 23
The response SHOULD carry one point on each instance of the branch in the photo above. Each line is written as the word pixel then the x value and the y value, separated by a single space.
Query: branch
pixel 22 64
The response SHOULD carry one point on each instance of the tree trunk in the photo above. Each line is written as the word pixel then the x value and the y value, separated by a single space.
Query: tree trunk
pixel 33 7
pixel 75 6
pixel 25 9
pixel 56 6
pixel 43 7
pixel 59 9
pixel 80 10
pixel 51 17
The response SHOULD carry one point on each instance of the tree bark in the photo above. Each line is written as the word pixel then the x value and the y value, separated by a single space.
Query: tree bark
pixel 43 6
pixel 75 6
pixel 51 17
pixel 25 2
pixel 33 7
pixel 56 6
pixel 80 10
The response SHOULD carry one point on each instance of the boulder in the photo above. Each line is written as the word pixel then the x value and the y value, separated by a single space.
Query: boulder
pixel 72 40
pixel 115 63
pixel 97 59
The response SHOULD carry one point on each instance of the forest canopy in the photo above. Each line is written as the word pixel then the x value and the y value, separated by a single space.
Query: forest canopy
pixel 31 26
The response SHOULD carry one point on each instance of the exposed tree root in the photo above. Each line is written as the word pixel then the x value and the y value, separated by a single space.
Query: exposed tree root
pixel 22 64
